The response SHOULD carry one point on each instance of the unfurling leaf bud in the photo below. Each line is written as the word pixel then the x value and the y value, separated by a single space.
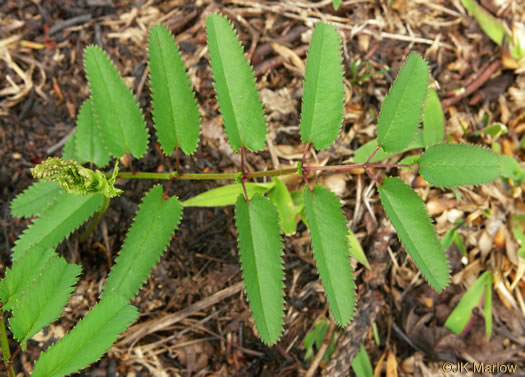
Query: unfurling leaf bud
pixel 76 179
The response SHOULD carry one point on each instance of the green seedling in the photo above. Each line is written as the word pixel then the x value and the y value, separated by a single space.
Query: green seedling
pixel 111 124
pixel 361 364
pixel 461 318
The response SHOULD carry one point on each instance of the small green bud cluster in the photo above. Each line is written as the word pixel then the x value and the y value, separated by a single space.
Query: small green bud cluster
pixel 75 178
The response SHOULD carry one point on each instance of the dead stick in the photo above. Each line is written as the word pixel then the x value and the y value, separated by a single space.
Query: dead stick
pixel 140 330
pixel 482 79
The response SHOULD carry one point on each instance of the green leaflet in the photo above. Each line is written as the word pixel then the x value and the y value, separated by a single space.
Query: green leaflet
pixel 35 199
pixel 281 197
pixel 356 250
pixel 323 98
pixel 57 222
pixel 240 106
pixel 458 320
pixel 451 165
pixel 175 110
pixel 314 340
pixel 89 144
pixel 22 275
pixel 260 248
pixel 120 118
pixel 336 4
pixel 70 148
pixel 406 210
pixel 364 151
pixel 330 244
pixel 402 109
pixel 226 195
pixel 488 23
pixel 43 302
pixel 433 121
pixel 361 364
pixel 88 340
pixel 149 236
pixel 509 168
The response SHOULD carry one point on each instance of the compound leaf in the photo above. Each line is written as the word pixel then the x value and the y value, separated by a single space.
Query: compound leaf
pixel 323 99
pixel 44 300
pixel 240 106
pixel 57 222
pixel 406 210
pixel 35 199
pixel 22 274
pixel 331 251
pixel 88 340
pixel 175 110
pixel 402 109
pixel 120 118
pixel 89 143
pixel 433 121
pixel 260 248
pixel 451 165
pixel 226 195
pixel 149 236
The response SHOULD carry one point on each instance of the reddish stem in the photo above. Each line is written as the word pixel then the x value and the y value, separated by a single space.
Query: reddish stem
pixel 373 177
pixel 372 155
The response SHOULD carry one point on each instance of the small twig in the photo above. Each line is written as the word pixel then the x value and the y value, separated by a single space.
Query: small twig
pixel 476 84
pixel 69 22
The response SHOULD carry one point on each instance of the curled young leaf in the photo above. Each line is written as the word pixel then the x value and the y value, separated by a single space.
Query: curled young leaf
pixel 76 179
